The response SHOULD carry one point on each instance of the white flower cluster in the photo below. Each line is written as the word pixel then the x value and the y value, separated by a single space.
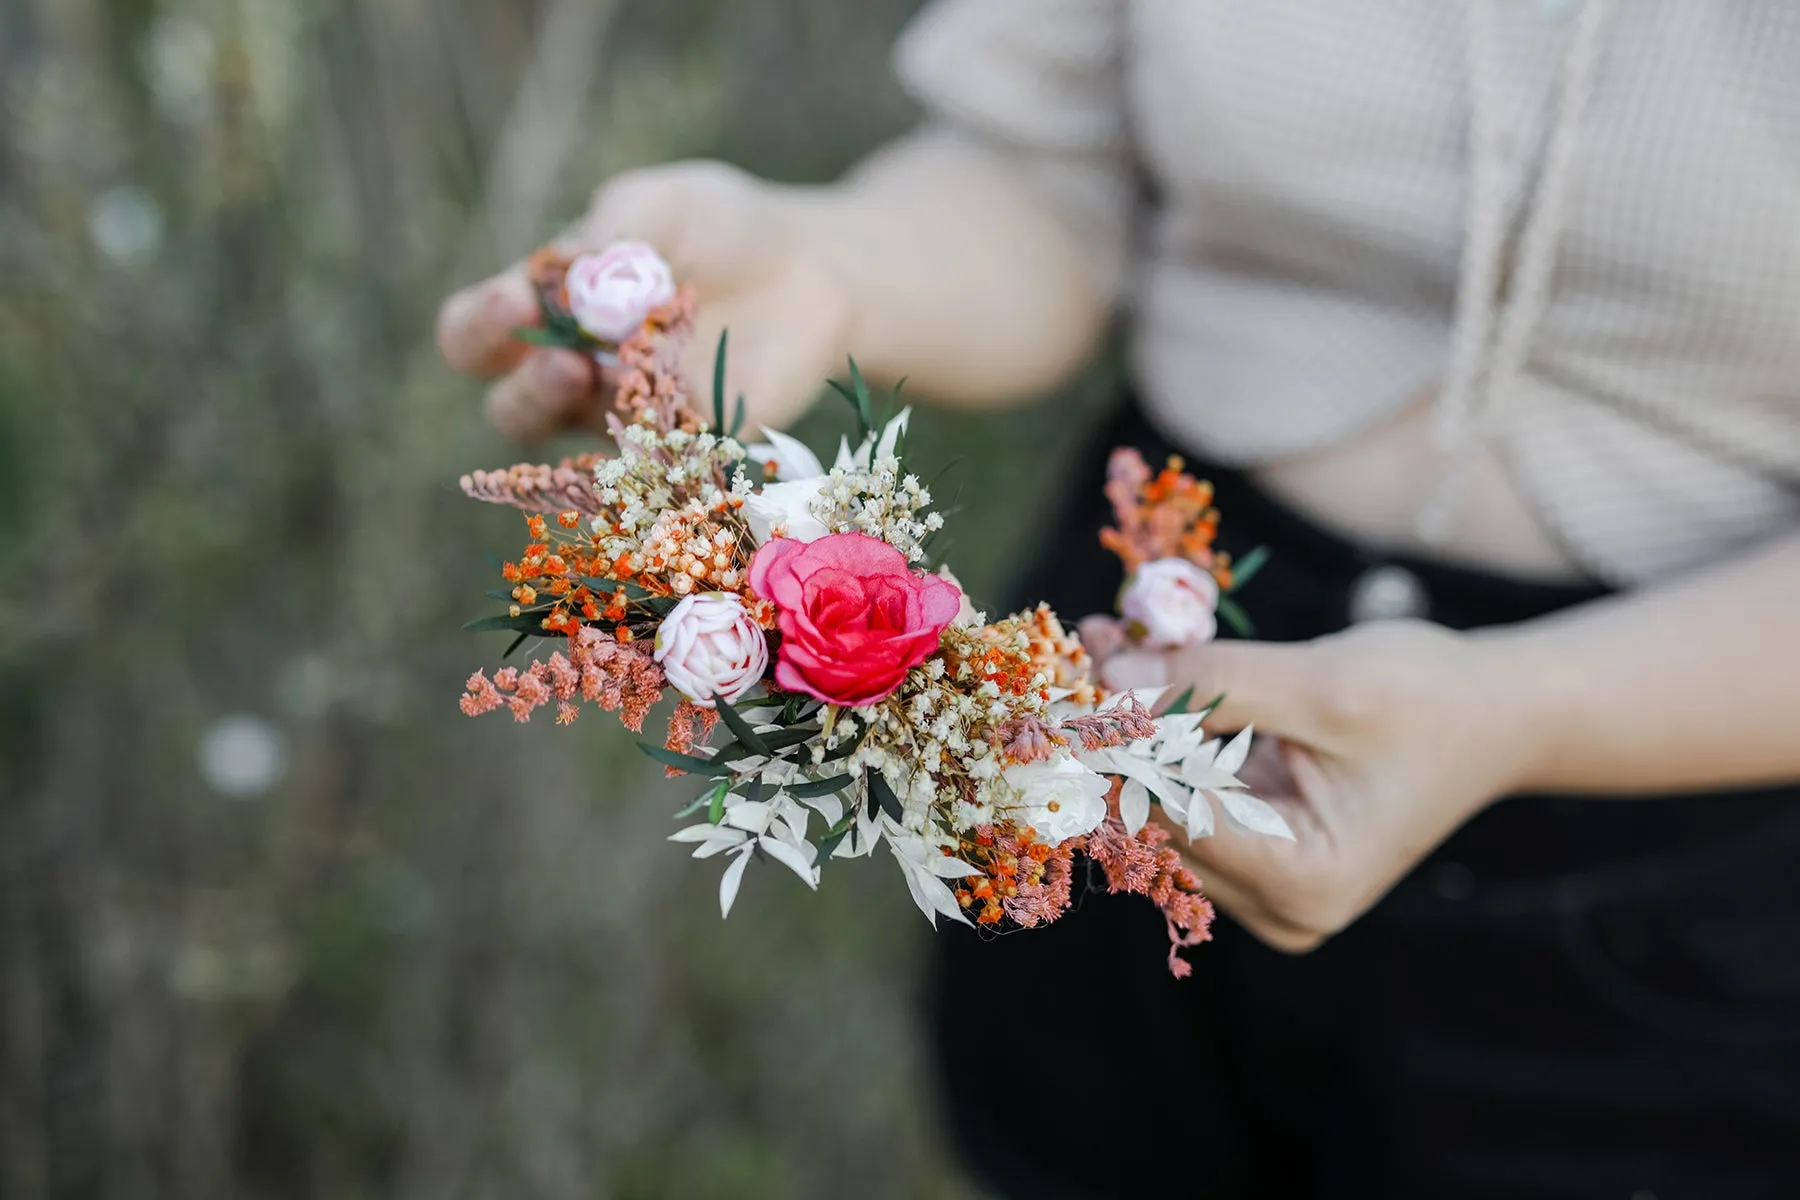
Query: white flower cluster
pixel 656 474
pixel 865 491
pixel 880 502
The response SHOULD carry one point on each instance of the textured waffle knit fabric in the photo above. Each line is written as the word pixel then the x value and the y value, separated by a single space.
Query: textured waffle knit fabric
pixel 1577 220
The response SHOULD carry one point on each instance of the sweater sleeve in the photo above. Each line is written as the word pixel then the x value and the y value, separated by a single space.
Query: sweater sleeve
pixel 1039 86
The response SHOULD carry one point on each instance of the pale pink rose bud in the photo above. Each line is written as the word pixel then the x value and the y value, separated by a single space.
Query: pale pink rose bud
pixel 611 293
pixel 709 645
pixel 1169 603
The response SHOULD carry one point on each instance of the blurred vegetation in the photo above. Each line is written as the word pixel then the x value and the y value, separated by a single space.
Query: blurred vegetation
pixel 275 920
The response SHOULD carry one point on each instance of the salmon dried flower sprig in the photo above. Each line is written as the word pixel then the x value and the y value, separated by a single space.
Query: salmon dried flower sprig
pixel 832 692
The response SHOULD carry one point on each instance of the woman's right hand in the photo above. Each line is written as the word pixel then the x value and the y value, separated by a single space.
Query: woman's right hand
pixel 746 245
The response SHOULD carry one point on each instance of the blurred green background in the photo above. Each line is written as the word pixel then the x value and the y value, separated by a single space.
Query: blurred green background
pixel 275 920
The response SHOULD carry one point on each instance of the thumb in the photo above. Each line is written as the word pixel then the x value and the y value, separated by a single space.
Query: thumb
pixel 1266 684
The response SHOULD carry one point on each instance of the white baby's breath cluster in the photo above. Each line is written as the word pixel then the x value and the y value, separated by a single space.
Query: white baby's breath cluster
pixel 663 494
pixel 881 502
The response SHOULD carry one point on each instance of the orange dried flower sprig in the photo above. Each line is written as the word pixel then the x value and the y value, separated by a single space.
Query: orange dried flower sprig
pixel 1165 514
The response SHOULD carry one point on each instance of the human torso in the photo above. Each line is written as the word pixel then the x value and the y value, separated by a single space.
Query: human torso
pixel 1298 304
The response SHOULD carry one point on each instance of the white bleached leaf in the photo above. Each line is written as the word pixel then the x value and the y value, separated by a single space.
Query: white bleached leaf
pixel 1231 758
pixel 829 807
pixel 789 455
pixel 950 868
pixel 751 815
pixel 728 884
pixel 1199 816
pixel 1134 805
pixel 793 859
pixel 707 833
pixel 890 433
pixel 1247 814
pixel 1132 766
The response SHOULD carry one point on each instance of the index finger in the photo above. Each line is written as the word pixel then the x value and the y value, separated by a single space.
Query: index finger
pixel 475 326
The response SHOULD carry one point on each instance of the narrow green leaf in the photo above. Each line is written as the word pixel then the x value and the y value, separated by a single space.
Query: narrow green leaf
pixel 685 762
pixel 719 383
pixel 865 401
pixel 1181 703
pixel 537 335
pixel 1236 617
pixel 699 802
pixel 1245 569
pixel 737 416
pixel 754 789
pixel 830 841
pixel 813 789
pixel 1212 706
pixel 882 794
pixel 528 621
pixel 790 737
pixel 740 728
pixel 846 749
pixel 715 805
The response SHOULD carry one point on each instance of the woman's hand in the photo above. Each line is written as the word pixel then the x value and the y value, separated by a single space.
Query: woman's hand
pixel 1375 744
pixel 742 242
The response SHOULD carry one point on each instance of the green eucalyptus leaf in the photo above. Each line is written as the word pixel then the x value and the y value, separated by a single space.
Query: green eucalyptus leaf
pixel 814 788
pixel 830 841
pixel 1236 617
pixel 719 383
pixel 685 762
pixel 881 794
pixel 740 728
pixel 1245 569
pixel 715 805
pixel 529 621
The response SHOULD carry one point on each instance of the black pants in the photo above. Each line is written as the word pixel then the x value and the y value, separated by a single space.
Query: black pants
pixel 1571 998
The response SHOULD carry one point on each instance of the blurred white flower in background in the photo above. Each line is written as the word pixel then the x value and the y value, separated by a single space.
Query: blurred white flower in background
pixel 126 225
pixel 178 56
pixel 242 756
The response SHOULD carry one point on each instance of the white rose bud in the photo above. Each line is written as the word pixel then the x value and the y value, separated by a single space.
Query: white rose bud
pixel 1062 798
pixel 1170 603
pixel 787 506
pixel 709 645
pixel 611 293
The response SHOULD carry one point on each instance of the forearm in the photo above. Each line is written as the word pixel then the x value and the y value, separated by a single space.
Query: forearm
pixel 1693 684
pixel 960 280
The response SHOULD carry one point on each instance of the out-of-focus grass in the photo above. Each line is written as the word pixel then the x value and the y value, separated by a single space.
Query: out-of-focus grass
pixel 420 956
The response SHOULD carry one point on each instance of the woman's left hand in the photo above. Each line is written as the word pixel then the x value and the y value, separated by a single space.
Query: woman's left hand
pixel 1375 744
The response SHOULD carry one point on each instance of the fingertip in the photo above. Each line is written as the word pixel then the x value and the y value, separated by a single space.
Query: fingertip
pixel 1135 669
pixel 560 378
pixel 475 326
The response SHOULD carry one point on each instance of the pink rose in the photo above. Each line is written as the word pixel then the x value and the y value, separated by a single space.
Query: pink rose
pixel 709 646
pixel 611 293
pixel 854 616
pixel 1170 603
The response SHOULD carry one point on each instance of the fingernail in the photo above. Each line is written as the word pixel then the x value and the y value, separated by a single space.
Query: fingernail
pixel 1131 670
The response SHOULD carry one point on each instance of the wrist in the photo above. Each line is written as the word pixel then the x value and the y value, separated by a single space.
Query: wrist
pixel 1524 684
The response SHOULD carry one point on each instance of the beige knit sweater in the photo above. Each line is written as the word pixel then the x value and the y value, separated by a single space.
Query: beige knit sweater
pixel 1578 219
